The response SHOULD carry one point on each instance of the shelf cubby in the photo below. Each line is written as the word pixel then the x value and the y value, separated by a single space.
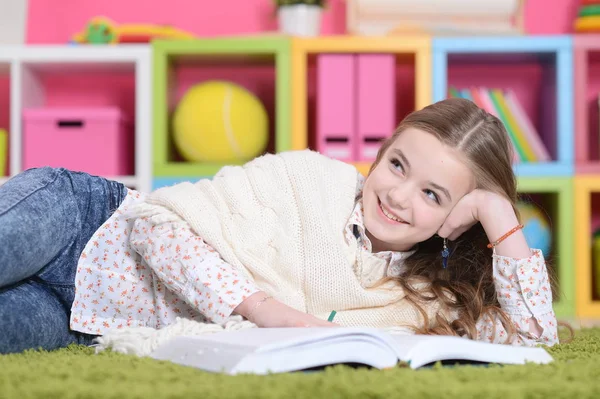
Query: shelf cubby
pixel 587 220
pixel 587 90
pixel 54 76
pixel 554 197
pixel 412 78
pixel 259 64
pixel 537 69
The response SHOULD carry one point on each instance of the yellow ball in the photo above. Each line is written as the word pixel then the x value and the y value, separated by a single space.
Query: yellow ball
pixel 221 122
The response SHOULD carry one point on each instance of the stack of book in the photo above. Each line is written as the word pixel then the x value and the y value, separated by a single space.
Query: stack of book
pixel 505 105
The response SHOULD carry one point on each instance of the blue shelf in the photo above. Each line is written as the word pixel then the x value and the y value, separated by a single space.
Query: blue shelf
pixel 559 47
pixel 546 169
pixel 503 44
pixel 159 182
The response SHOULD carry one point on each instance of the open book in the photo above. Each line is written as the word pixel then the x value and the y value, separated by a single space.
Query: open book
pixel 280 350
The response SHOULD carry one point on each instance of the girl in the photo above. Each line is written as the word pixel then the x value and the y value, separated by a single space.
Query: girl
pixel 429 241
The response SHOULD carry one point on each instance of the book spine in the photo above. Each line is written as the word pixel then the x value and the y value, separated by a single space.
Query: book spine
pixel 485 99
pixel 513 126
pixel 453 92
pixel 478 100
pixel 493 98
pixel 466 94
pixel 527 127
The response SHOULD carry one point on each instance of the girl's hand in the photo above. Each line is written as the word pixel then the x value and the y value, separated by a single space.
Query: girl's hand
pixel 463 216
pixel 496 215
pixel 272 313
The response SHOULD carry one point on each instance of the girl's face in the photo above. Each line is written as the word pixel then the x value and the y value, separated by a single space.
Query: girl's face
pixel 410 193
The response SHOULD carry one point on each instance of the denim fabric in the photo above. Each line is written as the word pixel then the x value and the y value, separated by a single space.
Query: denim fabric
pixel 47 215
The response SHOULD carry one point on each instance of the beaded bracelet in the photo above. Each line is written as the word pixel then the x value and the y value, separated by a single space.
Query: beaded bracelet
pixel 256 305
pixel 499 240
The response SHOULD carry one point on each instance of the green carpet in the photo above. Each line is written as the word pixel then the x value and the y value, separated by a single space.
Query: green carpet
pixel 75 372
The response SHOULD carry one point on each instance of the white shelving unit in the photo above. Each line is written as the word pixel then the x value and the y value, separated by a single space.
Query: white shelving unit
pixel 27 63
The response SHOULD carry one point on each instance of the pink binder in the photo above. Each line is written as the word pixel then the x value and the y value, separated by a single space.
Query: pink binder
pixel 375 103
pixel 336 106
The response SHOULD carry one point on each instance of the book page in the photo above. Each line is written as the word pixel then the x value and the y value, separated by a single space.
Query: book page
pixel 268 339
pixel 420 350
pixel 350 350
pixel 405 344
pixel 196 351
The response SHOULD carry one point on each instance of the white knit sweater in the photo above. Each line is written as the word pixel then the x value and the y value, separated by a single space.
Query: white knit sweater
pixel 280 219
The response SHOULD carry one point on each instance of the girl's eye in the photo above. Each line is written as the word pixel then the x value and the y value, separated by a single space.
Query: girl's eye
pixel 396 163
pixel 433 196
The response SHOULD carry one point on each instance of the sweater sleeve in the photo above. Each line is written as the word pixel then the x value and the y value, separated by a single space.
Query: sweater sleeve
pixel 524 292
pixel 190 268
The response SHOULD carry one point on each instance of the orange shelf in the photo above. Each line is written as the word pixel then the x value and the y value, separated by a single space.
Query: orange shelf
pixel 584 187
pixel 418 47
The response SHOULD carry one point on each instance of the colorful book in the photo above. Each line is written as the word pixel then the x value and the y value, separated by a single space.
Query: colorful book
pixel 529 131
pixel 466 93
pixel 480 96
pixel 454 93
pixel 483 98
pixel 489 104
pixel 494 97
pixel 512 127
pixel 505 105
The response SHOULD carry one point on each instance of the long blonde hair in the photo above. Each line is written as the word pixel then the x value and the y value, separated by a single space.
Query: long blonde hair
pixel 485 145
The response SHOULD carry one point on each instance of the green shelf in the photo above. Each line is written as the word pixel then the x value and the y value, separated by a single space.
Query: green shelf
pixel 258 50
pixel 563 234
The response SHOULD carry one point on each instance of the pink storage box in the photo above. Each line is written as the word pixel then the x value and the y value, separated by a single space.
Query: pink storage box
pixel 376 103
pixel 93 140
pixel 336 106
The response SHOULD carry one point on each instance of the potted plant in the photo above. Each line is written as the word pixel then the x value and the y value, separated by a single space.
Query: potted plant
pixel 300 17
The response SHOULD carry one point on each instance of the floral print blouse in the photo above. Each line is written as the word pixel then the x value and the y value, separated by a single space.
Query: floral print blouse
pixel 134 273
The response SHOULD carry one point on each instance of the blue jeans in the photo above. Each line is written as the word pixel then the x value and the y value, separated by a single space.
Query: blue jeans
pixel 47 216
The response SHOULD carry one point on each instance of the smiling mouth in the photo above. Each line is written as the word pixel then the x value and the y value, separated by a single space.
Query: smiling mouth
pixel 388 215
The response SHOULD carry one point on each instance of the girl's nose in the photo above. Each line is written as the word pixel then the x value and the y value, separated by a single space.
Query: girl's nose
pixel 399 197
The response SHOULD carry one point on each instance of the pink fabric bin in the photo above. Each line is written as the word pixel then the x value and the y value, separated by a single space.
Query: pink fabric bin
pixel 94 140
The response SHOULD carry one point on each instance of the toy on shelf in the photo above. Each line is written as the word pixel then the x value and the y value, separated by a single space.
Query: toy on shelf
pixel 220 122
pixel 536 228
pixel 3 152
pixel 588 17
pixel 435 17
pixel 102 30
pixel 505 105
